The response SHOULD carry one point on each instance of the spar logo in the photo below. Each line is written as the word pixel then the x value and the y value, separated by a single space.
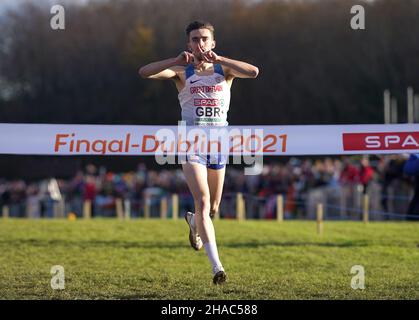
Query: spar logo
pixel 380 141
pixel 206 102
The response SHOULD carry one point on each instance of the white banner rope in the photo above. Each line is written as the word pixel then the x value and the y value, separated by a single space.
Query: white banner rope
pixel 69 139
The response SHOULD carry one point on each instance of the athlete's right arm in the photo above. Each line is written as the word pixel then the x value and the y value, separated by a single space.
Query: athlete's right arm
pixel 165 69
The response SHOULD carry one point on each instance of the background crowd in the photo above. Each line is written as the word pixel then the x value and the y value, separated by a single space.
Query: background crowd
pixel 338 182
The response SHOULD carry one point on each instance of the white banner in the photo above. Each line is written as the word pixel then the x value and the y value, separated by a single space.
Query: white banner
pixel 60 139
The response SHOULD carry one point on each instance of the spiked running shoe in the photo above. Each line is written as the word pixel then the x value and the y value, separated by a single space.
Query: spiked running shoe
pixel 194 237
pixel 220 277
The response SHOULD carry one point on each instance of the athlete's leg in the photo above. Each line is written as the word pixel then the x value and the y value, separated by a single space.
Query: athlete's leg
pixel 215 183
pixel 196 178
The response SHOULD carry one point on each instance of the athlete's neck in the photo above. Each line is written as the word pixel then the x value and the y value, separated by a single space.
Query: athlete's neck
pixel 204 67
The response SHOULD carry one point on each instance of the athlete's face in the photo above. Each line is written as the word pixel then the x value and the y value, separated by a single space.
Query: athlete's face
pixel 200 40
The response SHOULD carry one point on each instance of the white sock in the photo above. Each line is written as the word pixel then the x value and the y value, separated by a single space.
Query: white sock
pixel 212 253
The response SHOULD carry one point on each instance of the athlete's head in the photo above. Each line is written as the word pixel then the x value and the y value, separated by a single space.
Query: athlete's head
pixel 200 37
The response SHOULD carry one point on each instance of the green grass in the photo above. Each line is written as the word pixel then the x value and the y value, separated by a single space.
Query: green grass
pixel 151 259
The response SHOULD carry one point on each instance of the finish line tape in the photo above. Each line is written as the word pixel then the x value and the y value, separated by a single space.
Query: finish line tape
pixel 68 139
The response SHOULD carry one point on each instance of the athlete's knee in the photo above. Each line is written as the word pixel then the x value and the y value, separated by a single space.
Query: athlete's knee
pixel 203 204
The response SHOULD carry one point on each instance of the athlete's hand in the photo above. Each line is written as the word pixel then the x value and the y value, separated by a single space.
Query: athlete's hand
pixel 185 58
pixel 210 56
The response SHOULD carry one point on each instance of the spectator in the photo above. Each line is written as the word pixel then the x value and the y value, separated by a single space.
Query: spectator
pixel 393 170
pixel 89 191
pixel 366 174
pixel 411 168
pixel 349 174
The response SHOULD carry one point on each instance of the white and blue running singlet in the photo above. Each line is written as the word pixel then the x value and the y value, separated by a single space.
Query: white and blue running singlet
pixel 205 101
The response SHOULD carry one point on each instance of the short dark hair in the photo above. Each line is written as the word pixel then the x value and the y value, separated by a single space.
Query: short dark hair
pixel 200 25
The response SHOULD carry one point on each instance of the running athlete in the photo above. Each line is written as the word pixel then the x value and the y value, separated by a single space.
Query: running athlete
pixel 203 80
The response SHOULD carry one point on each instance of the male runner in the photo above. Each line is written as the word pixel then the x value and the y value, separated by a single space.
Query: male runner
pixel 203 80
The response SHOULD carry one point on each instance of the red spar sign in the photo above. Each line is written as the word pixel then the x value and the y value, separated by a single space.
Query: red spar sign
pixel 380 141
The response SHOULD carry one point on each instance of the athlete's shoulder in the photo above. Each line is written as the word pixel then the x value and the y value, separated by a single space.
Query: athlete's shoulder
pixel 228 76
pixel 180 72
pixel 227 72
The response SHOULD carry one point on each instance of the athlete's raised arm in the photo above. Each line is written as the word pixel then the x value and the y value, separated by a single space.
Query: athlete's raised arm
pixel 165 69
pixel 235 68
pixel 239 69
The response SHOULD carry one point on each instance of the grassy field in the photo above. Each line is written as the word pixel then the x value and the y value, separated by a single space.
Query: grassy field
pixel 151 259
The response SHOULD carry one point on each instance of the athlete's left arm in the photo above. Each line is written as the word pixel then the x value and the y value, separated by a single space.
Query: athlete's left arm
pixel 238 69
pixel 233 68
